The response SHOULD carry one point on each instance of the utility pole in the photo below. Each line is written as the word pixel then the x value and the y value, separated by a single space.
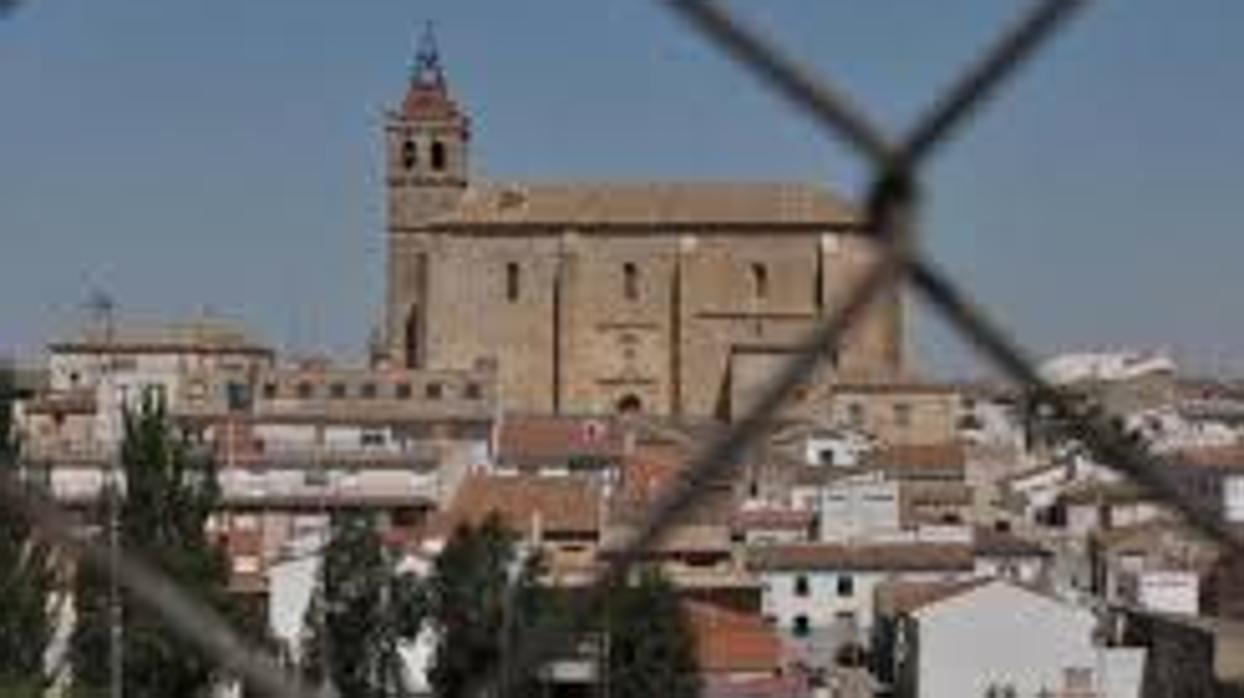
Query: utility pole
pixel 103 307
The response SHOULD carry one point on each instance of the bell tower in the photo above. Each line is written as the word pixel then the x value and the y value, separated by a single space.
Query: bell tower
pixel 426 141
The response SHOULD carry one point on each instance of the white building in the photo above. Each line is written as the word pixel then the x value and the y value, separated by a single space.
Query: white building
pixel 821 595
pixel 858 507
pixel 998 640
pixel 117 366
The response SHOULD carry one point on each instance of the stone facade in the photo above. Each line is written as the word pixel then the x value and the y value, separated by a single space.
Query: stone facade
pixel 596 297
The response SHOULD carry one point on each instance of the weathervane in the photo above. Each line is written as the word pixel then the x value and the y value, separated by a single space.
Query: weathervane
pixel 427 69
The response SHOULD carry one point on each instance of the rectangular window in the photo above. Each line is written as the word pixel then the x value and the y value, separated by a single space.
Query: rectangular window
pixel 305 390
pixel 801 627
pixel 855 414
pixel 902 415
pixel 630 281
pixel 337 390
pixel 472 391
pixel 846 585
pixel 433 391
pixel 367 391
pixel 402 391
pixel 801 585
pixel 512 282
pixel 269 390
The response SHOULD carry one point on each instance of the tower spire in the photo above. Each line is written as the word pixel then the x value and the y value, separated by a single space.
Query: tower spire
pixel 427 70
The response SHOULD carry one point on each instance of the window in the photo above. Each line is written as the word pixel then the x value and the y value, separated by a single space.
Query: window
pixel 801 585
pixel 855 414
pixel 402 391
pixel 902 414
pixel 630 282
pixel 337 390
pixel 512 281
pixel 1078 680
pixel 409 155
pixel 760 280
pixel 800 627
pixel 438 156
pixel 1001 690
pixel 245 564
pixel 846 585
pixel 305 390
pixel 269 391
pixel 473 391
pixel 433 391
pixel 367 390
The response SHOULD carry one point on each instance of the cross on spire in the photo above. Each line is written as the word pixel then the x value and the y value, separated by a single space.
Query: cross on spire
pixel 427 70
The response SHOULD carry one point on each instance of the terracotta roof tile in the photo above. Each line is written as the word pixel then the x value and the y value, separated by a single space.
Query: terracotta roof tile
pixel 878 556
pixel 730 641
pixel 535 438
pixel 773 519
pixel 649 203
pixel 900 597
pixel 560 504
pixel 949 456
pixel 1224 457
pixel 990 542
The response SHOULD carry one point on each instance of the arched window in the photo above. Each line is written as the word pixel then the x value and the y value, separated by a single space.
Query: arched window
pixel 760 280
pixel 438 156
pixel 414 359
pixel 630 403
pixel 410 155
pixel 630 281
pixel 512 281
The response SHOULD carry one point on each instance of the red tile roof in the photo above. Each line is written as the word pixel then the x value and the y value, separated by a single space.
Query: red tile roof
pixel 898 597
pixel 559 504
pixel 732 642
pixel 873 556
pixel 990 542
pixel 526 438
pixel 773 519
pixel 949 456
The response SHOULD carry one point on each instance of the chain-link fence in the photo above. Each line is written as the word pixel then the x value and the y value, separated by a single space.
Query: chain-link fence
pixel 891 222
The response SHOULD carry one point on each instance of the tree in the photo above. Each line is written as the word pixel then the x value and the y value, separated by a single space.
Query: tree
pixel 483 598
pixel 650 646
pixel 27 578
pixel 169 494
pixel 359 614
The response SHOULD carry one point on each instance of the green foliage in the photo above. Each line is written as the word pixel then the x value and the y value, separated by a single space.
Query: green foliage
pixel 483 600
pixel 651 649
pixel 27 578
pixel 359 614
pixel 169 494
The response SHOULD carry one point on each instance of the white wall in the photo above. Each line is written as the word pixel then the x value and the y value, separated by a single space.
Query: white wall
pixel 858 507
pixel 823 602
pixel 1233 498
pixel 1169 591
pixel 1001 634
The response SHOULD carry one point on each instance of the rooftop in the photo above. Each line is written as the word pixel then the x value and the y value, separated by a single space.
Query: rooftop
pixel 730 641
pixel 649 203
pixel 866 557
pixel 555 504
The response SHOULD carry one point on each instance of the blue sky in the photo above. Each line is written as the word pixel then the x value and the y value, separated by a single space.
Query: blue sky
pixel 224 155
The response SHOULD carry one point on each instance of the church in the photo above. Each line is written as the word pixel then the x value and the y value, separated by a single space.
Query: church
pixel 667 298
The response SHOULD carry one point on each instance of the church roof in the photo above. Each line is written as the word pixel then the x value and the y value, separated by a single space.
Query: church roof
pixel 649 203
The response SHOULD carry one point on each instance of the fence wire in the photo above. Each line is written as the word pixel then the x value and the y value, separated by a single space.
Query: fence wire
pixel 891 217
